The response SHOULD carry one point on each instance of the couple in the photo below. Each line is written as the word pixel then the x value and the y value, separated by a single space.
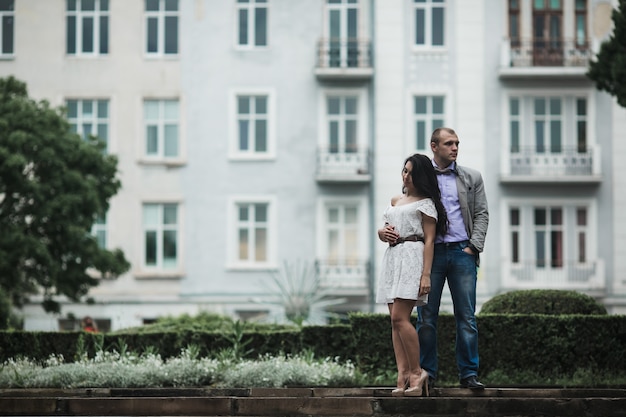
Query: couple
pixel 435 230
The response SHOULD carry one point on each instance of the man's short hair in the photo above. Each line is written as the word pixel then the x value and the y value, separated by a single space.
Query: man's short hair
pixel 434 138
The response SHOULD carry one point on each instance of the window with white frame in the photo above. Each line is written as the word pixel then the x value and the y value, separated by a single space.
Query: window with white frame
pixel 429 23
pixel 252 124
pixel 161 27
pixel 89 117
pixel 87 27
pixel 161 121
pixel 252 231
pixel 514 124
pixel 161 235
pixel 557 234
pixel 548 124
pixel 341 224
pixel 428 115
pixel 548 121
pixel 581 125
pixel 548 228
pixel 342 31
pixel 514 225
pixel 252 23
pixel 342 117
pixel 7 27
pixel 581 234
pixel 99 231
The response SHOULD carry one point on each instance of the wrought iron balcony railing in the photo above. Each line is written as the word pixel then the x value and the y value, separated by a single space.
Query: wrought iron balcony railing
pixel 344 58
pixel 542 54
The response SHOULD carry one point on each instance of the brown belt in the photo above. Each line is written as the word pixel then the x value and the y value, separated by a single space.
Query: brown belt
pixel 411 238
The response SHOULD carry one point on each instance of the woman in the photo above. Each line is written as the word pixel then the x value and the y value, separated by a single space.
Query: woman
pixel 411 223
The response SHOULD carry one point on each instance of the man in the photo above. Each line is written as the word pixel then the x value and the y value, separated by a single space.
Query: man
pixel 456 259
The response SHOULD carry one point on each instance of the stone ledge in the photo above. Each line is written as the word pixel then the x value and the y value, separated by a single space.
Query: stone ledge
pixel 327 402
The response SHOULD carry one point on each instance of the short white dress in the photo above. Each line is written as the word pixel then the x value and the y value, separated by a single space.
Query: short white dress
pixel 402 265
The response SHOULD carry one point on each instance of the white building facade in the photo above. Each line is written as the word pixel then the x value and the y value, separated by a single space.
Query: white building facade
pixel 254 132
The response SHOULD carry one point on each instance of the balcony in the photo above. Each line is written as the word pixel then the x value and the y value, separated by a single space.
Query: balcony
pixel 545 58
pixel 344 277
pixel 334 166
pixel 344 59
pixel 568 165
pixel 570 275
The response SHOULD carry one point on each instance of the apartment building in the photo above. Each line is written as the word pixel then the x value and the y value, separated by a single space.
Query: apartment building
pixel 251 133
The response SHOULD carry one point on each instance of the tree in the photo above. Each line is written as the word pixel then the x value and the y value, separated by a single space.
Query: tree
pixel 53 185
pixel 608 70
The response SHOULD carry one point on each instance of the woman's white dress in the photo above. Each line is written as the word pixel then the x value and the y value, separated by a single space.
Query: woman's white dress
pixel 402 265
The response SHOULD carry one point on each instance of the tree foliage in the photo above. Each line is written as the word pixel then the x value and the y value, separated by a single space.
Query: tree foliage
pixel 53 185
pixel 608 70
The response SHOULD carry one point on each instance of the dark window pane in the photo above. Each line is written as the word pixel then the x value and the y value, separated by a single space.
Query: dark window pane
pixel 260 105
pixel 152 5
pixel 243 105
pixel 419 27
pixel 420 105
pixel 71 34
pixel 260 26
pixel 260 212
pixel 171 5
pixel 7 35
pixel 71 5
pixel 438 28
pixel 104 5
pixel 515 247
pixel 72 108
pixel 437 105
pixel 260 136
pixel 171 34
pixel 169 245
pixel 104 34
pixel 514 217
pixel 88 34
pixel 244 140
pixel 420 132
pixel 243 27
pixel 152 34
pixel 151 251
pixel 540 217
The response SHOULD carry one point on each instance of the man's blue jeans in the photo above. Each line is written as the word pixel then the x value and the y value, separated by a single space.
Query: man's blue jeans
pixel 461 271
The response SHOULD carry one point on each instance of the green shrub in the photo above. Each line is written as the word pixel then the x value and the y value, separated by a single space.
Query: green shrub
pixel 553 302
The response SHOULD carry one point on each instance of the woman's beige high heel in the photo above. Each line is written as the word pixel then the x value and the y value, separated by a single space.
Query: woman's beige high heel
pixel 416 391
pixel 399 392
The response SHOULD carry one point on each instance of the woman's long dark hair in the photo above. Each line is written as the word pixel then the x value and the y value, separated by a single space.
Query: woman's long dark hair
pixel 425 182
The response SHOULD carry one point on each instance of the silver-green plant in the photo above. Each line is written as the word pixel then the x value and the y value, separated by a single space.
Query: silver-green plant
pixel 300 292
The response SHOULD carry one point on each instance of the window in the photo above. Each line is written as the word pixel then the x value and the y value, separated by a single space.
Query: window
pixel 581 23
pixel 581 125
pixel 429 22
pixel 252 19
pixel 7 27
pixel 99 230
pixel 161 27
pixel 342 233
pixel 252 124
pixel 89 117
pixel 428 113
pixel 343 33
pixel 548 124
pixel 87 27
pixel 514 224
pixel 342 114
pixel 514 22
pixel 547 33
pixel 514 115
pixel 581 234
pixel 548 225
pixel 161 119
pixel 253 228
pixel 160 230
